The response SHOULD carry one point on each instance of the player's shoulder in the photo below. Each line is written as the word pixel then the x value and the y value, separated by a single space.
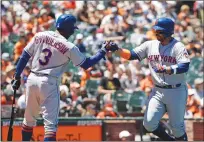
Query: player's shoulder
pixel 178 44
pixel 38 34
pixel 151 42
pixel 70 45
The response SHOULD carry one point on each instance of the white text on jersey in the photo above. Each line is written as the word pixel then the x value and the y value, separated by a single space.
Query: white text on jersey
pixel 51 42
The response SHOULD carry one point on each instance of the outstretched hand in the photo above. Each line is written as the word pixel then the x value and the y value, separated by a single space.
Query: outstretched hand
pixel 109 46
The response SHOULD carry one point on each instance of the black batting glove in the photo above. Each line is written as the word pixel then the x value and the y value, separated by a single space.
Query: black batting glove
pixel 16 82
pixel 109 46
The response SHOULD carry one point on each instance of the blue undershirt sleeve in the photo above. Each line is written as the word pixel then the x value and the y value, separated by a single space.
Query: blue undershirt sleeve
pixel 22 63
pixel 90 61
pixel 133 55
pixel 180 68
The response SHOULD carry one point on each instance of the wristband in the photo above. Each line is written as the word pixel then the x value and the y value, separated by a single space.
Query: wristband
pixel 174 67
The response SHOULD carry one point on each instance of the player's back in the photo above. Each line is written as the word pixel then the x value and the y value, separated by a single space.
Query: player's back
pixel 50 53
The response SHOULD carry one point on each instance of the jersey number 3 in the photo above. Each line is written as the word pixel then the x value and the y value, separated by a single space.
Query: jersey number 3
pixel 45 56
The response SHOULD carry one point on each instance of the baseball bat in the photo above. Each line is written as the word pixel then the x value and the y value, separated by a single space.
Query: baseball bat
pixel 10 131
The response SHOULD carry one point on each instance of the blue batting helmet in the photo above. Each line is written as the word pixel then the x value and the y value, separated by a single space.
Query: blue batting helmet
pixel 166 25
pixel 66 22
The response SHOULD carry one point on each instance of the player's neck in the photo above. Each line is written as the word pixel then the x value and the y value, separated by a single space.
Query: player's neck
pixel 61 33
pixel 166 41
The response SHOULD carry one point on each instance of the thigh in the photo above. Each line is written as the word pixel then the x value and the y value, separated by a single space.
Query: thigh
pixel 50 99
pixel 155 108
pixel 176 106
pixel 32 103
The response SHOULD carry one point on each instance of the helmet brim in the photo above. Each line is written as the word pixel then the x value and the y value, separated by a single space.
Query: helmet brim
pixel 157 28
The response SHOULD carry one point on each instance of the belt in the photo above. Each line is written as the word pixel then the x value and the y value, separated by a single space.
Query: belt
pixel 43 74
pixel 169 86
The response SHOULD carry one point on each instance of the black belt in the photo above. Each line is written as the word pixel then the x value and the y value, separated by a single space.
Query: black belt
pixel 40 74
pixel 43 74
pixel 169 86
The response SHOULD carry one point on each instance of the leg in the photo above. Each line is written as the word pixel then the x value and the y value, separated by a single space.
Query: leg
pixel 50 110
pixel 154 112
pixel 31 112
pixel 176 111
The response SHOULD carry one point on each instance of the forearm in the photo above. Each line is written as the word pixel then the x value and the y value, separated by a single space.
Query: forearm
pixel 90 61
pixel 180 68
pixel 127 54
pixel 104 91
pixel 22 63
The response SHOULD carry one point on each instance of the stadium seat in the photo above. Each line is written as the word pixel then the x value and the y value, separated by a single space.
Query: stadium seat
pixel 92 86
pixel 7 47
pixel 13 38
pixel 120 99
pixel 76 78
pixel 72 68
pixel 136 101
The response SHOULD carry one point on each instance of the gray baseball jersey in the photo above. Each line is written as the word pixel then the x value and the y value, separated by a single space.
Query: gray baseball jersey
pixel 51 52
pixel 171 54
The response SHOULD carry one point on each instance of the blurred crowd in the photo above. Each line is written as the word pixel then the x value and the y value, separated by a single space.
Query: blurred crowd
pixel 100 90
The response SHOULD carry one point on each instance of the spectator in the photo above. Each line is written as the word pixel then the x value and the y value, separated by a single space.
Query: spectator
pixel 137 10
pixel 93 41
pixel 147 82
pixel 129 84
pixel 108 84
pixel 89 111
pixel 107 112
pixel 80 44
pixel 199 89
pixel 5 61
pixel 19 46
pixel 191 106
pixel 65 100
pixel 4 83
pixel 125 135
pixel 83 15
pixel 21 105
pixel 45 21
pixel 6 28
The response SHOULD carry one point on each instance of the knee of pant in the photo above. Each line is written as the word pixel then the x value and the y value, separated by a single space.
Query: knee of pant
pixel 178 130
pixel 50 127
pixel 150 125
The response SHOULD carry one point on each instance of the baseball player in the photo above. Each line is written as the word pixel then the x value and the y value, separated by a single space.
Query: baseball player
pixel 168 63
pixel 50 52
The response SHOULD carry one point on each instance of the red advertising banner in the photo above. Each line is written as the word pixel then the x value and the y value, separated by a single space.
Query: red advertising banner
pixel 64 133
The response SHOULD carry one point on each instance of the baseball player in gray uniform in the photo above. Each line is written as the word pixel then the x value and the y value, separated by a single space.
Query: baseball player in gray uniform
pixel 50 53
pixel 168 63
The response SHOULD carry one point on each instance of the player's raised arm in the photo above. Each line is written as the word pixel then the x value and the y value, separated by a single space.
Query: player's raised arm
pixel 106 47
pixel 138 53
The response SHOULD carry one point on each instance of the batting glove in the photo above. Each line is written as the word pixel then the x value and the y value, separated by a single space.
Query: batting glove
pixel 109 46
pixel 16 82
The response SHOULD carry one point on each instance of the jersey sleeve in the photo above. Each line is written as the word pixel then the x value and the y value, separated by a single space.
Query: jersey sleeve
pixel 141 51
pixel 76 56
pixel 31 46
pixel 181 54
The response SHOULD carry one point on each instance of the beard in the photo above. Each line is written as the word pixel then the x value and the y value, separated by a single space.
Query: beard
pixel 160 38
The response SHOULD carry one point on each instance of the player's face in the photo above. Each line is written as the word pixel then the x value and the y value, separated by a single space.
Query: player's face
pixel 159 35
